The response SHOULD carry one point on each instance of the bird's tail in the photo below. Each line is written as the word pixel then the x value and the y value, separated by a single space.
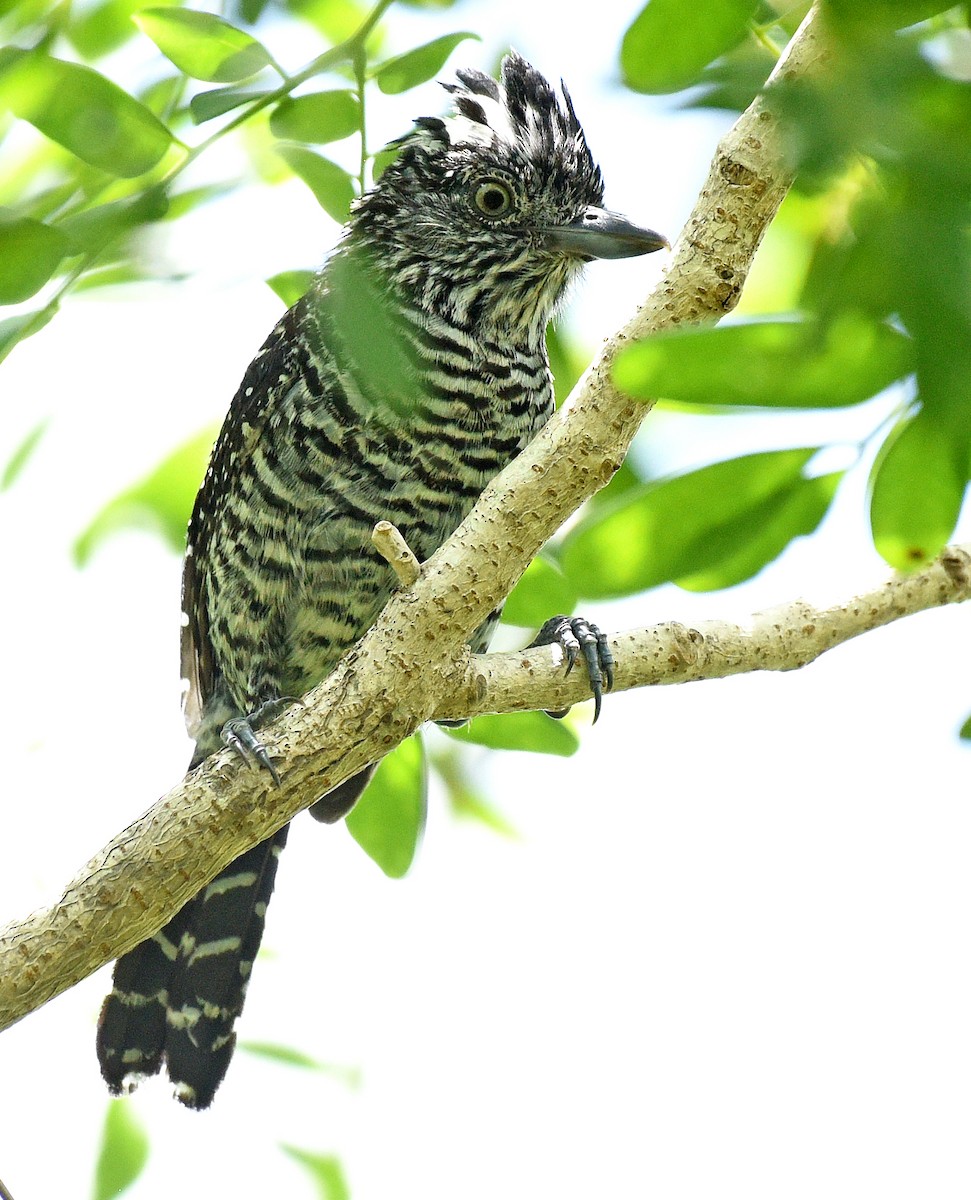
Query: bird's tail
pixel 176 996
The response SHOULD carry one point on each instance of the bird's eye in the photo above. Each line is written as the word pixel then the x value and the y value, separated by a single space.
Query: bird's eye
pixel 493 198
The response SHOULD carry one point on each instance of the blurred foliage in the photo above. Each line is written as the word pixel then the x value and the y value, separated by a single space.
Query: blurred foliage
pixel 462 791
pixel 568 360
pixel 388 821
pixel 869 265
pixel 105 162
pixel 203 46
pixel 288 1056
pixel 21 456
pixel 786 364
pixel 417 66
pixel 542 590
pixel 123 1152
pixel 707 529
pixel 291 285
pixel 324 1169
pixel 670 43
pixel 519 731
pixel 162 501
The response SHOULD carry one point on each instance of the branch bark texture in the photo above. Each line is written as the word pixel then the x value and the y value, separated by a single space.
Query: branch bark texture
pixel 413 665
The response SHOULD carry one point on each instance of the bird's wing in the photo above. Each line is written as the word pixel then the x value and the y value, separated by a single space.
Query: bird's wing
pixel 269 376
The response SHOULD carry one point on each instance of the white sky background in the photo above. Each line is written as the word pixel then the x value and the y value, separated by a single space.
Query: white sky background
pixel 728 954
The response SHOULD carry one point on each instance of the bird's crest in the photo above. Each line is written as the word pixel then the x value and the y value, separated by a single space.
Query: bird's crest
pixel 521 110
pixel 520 118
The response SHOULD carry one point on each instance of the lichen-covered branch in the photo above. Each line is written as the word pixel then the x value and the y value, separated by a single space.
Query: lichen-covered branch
pixel 412 665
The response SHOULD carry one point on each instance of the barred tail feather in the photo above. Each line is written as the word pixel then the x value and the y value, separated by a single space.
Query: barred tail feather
pixel 177 995
pixel 131 1029
pixel 217 957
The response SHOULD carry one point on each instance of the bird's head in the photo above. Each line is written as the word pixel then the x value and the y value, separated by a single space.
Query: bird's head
pixel 487 216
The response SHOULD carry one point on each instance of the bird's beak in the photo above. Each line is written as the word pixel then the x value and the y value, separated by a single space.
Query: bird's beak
pixel 597 233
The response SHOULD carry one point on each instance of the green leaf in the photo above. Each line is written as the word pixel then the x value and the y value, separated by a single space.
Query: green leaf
pixel 181 203
pixel 291 285
pixel 787 364
pixel 567 360
pixel 252 10
pixel 30 253
pixel 289 1057
pixel 92 230
pixel 732 83
pixel 330 184
pixel 162 501
pixel 533 731
pixel 670 42
pixel 324 1169
pixel 472 806
pixel 917 487
pixel 463 797
pixel 418 65
pixel 965 730
pixel 383 159
pixel 202 45
pixel 766 531
pixel 164 95
pixel 123 1152
pixel 206 105
pixel 388 820
pixel 114 275
pixel 691 525
pixel 337 20
pixel 18 460
pixel 96 31
pixel 871 17
pixel 542 591
pixel 281 1054
pixel 82 111
pixel 17 329
pixel 319 117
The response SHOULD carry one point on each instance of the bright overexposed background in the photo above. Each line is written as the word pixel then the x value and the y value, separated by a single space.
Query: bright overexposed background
pixel 727 953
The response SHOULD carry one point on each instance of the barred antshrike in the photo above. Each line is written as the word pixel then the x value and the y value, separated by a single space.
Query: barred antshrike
pixel 411 372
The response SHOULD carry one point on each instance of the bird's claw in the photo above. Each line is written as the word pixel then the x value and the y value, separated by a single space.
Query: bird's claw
pixel 576 636
pixel 239 733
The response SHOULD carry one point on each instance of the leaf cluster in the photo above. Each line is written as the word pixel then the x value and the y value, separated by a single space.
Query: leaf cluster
pixel 877 298
pixel 106 162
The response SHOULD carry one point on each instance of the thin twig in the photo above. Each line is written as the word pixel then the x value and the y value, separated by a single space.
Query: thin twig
pixel 391 545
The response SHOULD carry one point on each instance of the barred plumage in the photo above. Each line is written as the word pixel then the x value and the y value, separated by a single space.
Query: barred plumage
pixel 413 370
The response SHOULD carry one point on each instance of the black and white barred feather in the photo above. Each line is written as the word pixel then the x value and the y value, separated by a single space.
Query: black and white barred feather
pixel 409 375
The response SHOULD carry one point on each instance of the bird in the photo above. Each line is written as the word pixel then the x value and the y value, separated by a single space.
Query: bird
pixel 409 374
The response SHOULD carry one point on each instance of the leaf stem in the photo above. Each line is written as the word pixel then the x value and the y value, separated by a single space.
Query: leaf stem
pixel 760 33
pixel 360 75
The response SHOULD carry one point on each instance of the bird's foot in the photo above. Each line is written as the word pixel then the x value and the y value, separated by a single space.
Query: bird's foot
pixel 240 733
pixel 576 636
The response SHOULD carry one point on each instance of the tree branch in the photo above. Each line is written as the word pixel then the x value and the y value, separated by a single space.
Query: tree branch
pixel 784 638
pixel 413 664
